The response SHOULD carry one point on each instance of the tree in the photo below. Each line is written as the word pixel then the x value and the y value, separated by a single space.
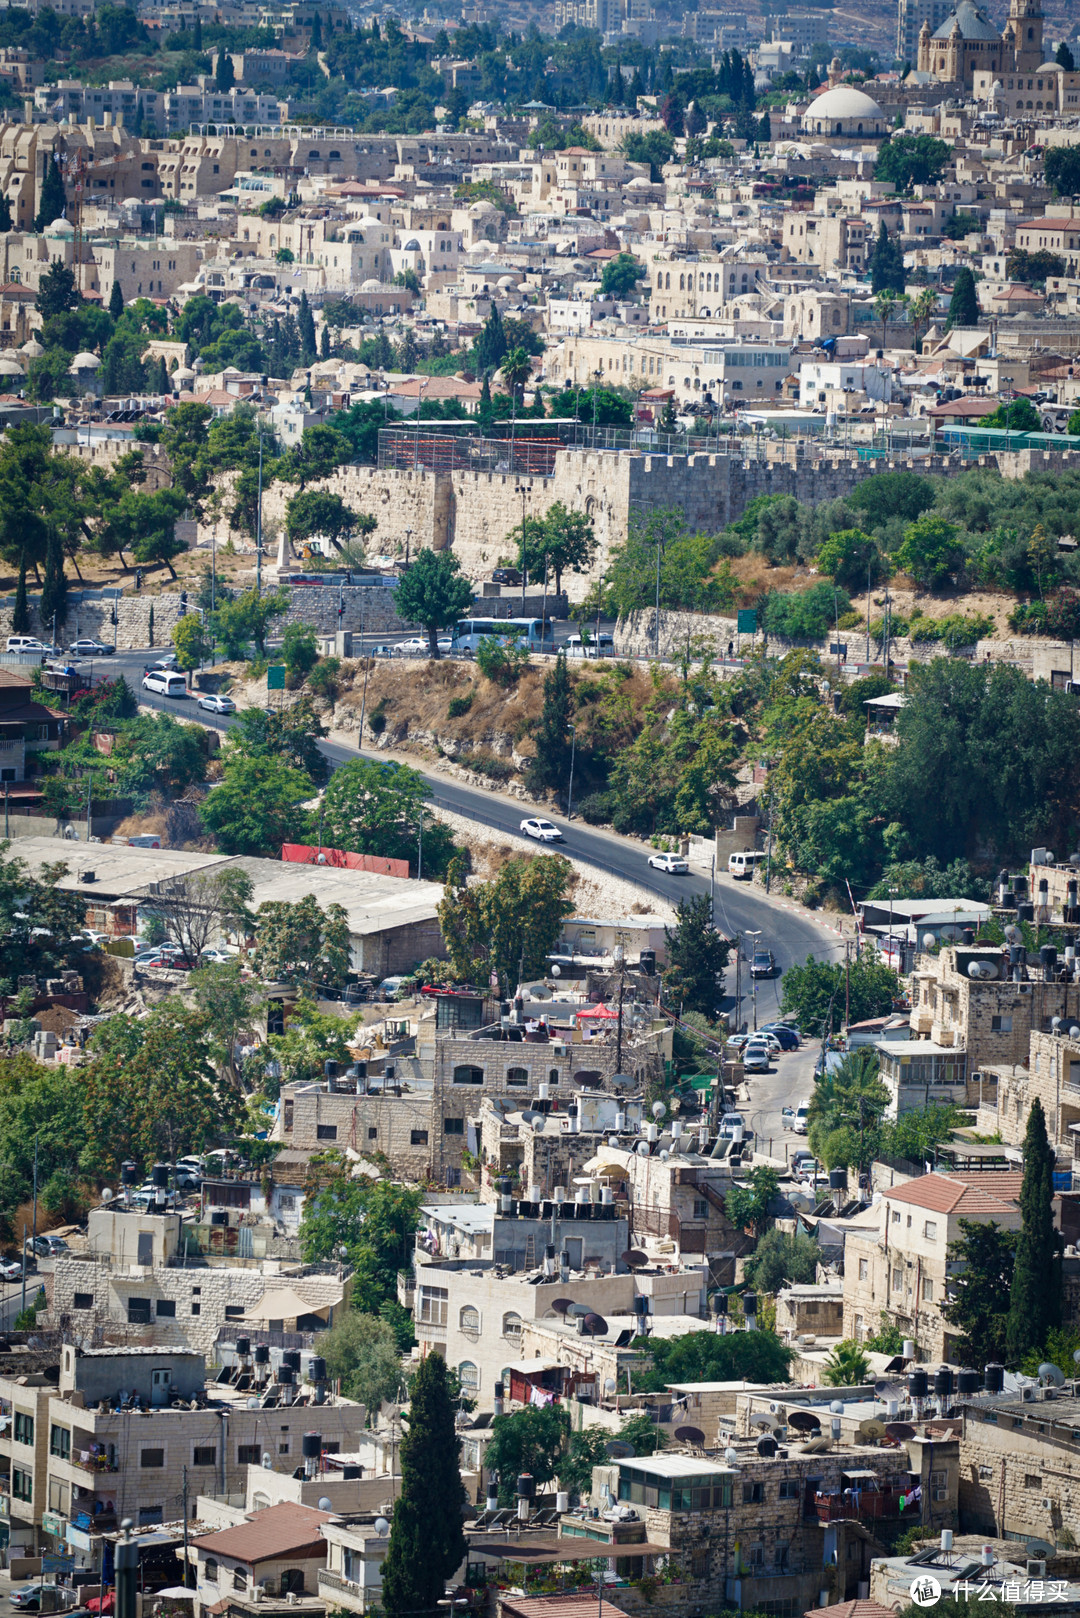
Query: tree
pixel 885 305
pixel 747 1207
pixel 1062 169
pixel 851 557
pixel 910 160
pixel 224 73
pixel 508 925
pixel 921 309
pixel 532 1440
pixel 237 623
pixel 190 643
pixel 1033 267
pixel 929 551
pixel 1036 1298
pixel 52 201
pixel 780 1259
pixel 490 347
pixel 642 1434
pixel 300 942
pixel 374 1220
pixel 318 455
pixel 299 651
pixel 964 303
pixel 378 808
pixel 1014 416
pixel 361 1351
pixel 292 734
pixel 57 291
pixel 319 514
pixel 703 1356
pixel 433 593
pixel 563 541
pixel 20 615
pixel 847 1366
pixel 587 1449
pixel 516 370
pixel 257 806
pixel 116 300
pixel 981 1265
pixel 53 608
pixel 846 1108
pixel 201 906
pixel 426 1538
pixel 621 275
pixel 1063 56
pixel 550 768
pixel 886 263
pixel 697 956
pixel 310 1038
pixel 305 321
pixel 656 148
pixel 231 1007
pixel 814 994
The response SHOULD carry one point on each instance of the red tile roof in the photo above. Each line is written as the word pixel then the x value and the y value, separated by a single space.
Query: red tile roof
pixel 852 1609
pixel 277 1531
pixel 969 1195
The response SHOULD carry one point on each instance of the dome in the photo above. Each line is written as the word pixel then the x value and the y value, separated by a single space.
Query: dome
pixel 9 366
pixel 970 22
pixel 60 227
pixel 412 246
pixel 1051 67
pixel 843 103
pixel 182 374
pixel 85 362
pixel 371 285
pixel 32 349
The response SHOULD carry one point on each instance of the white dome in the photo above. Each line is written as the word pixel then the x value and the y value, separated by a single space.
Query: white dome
pixel 32 349
pixel 10 366
pixel 371 285
pixel 60 227
pixel 841 105
pixel 85 362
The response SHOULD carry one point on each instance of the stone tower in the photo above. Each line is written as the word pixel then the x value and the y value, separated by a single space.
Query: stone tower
pixel 1024 34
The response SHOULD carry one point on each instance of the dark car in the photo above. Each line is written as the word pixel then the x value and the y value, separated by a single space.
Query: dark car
pixel 788 1038
pixel 762 965
pixel 506 575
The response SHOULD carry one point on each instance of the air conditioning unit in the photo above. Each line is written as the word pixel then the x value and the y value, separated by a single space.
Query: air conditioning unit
pixel 941 1494
pixel 1028 1395
pixel 1048 1504
pixel 1036 1570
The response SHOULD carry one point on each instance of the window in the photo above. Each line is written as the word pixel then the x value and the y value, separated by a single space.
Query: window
pixel 939 1480
pixel 152 1457
pixel 701 1208
pixel 453 1126
pixel 789 1488
pixel 516 1075
pixel 927 1290
pixel 196 1308
pixel 326 1132
pixel 985 1474
pixel 753 1493
pixel 83 1300
pixel 898 1280
pixel 930 1230
pixel 896 1216
pixel 235 1311
pixel 1032 1481
pixel 210 1570
pixel 60 1443
pixel 22 1484
pixel 418 1137
pixel 248 1454
pixel 239 1579
pixel 864 1269
pixel 204 1455
pixel 433 1305
pixel 138 1311
pixel 511 1326
pixel 469 1321
pixel 1001 1025
pixel 166 1309
pixel 469 1376
pixel 24 1428
pixel 373 1134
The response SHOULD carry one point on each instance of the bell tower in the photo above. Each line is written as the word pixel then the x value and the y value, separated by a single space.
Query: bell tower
pixel 1026 27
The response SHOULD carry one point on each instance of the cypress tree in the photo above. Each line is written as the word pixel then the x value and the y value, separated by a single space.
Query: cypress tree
pixel 324 343
pixel 20 618
pixel 491 345
pixel 964 304
pixel 1035 1303
pixel 426 1538
pixel 551 767
pixel 309 347
pixel 53 199
pixel 197 38
pixel 54 588
pixel 224 73
pixel 116 301
pixel 5 214
pixel 484 412
pixel 886 263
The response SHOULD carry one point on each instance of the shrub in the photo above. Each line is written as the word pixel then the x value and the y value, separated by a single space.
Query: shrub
pixel 596 808
pixel 502 665
pixel 496 769
pixel 953 631
pixel 808 614
pixel 458 706
pixel 377 717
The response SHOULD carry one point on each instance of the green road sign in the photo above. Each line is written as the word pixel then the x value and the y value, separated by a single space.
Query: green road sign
pixel 747 620
pixel 275 677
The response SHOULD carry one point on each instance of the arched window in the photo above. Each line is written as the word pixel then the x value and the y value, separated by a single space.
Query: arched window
pixel 464 1073
pixel 667 282
pixel 682 283
pixel 553 1075
pixel 469 1322
pixel 517 1075
pixel 260 1502
pixel 511 1326
pixel 469 1376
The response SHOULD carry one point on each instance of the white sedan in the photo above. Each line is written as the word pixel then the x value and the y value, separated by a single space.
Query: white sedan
pixel 416 647
pixel 542 830
pixel 674 864
pixel 216 703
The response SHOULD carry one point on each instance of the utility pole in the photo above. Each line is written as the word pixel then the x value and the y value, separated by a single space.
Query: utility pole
pixel 570 789
pixel 187 1567
pixel 24 1227
pixel 258 524
pixel 847 983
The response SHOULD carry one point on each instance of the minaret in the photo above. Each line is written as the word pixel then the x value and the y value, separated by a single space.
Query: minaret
pixel 1026 27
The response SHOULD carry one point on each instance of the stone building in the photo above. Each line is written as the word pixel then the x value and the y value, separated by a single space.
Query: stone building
pixel 898 1272
pixel 1020 1465
pixel 967 42
pixel 965 999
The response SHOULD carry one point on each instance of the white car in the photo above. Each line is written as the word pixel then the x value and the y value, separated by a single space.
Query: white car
pixel 216 957
pixel 416 647
pixel 215 703
pixel 755 1058
pixel 542 830
pixel 674 864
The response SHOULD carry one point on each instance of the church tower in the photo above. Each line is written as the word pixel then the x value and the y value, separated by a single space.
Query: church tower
pixel 1025 26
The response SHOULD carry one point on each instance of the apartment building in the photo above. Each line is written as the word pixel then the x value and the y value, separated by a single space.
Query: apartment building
pixel 898 1268
pixel 738 373
pixel 910 16
pixel 1020 1465
pixel 684 288
pixel 829 241
pixel 111 1435
pixel 164 112
pixel 967 998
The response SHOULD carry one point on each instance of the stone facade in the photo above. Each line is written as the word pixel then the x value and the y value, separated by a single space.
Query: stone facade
pixel 992 1020
pixel 90 613
pixel 1014 1457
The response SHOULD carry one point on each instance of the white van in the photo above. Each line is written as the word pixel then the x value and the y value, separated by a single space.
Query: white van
pixel 741 866
pixel 165 684
pixel 27 643
pixel 596 646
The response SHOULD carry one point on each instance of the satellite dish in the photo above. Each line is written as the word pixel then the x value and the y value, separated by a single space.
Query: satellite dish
pixel 562 1306
pixel 817 1446
pixel 595 1325
pixel 899 1430
pixel 763 1419
pixel 690 1435
pixel 929 941
pixel 837 1407
pixel 885 1390
pixel 617 1449
pixel 804 1421
pixel 658 1110
pixel 1052 1374
pixel 106 1194
pixel 325 1503
pixel 1039 1547
pixel 636 1259
pixel 873 1430
pixel 610 1384
pixel 382 1527
pixel 1013 935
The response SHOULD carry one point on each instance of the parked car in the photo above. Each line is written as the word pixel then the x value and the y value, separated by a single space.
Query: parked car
pixel 674 864
pixel 416 646
pixel 30 643
pixel 216 703
pixel 755 1057
pixel 90 648
pixel 50 1246
pixel 390 988
pixel 542 830
pixel 801 1119
pixel 10 1269
pixel 788 1037
pixel 737 1041
pixel 166 661
pixel 168 962
pixel 762 964
pixel 216 957
pixel 28 1597
pixel 164 683
pixel 506 575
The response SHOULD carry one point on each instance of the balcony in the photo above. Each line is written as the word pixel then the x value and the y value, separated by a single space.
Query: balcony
pixel 93 1460
pixel 861 1503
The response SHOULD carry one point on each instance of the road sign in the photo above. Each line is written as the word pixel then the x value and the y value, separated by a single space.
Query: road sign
pixel 838 649
pixel 747 620
pixel 275 677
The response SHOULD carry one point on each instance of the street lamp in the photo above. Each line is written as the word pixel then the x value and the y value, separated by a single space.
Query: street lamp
pixel 523 491
pixel 893 892
pixel 755 935
pixel 570 789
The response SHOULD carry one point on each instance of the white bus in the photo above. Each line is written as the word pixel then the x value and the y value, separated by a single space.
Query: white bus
pixel 535 634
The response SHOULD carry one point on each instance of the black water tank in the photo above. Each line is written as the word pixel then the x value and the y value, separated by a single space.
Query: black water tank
pixel 291 1358
pixel 968 1383
pixel 1025 912
pixel 943 1382
pixel 1017 955
pixel 317 1369
pixel 718 1303
pixel 349 1472
pixel 918 1384
pixel 262 1354
pixel 968 935
pixel 498 1390
pixel 1048 957
pixel 331 1069
pixel 994 1378
pixel 647 962
pixel 286 1376
pixel 838 1179
pixel 160 1176
pixel 129 1173
pixel 526 1486
pixel 749 1303
pixel 311 1446
pixel 243 1346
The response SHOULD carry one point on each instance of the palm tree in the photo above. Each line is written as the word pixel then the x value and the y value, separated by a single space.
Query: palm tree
pixel 846 1366
pixel 847 1105
pixel 516 371
pixel 921 309
pixel 884 305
